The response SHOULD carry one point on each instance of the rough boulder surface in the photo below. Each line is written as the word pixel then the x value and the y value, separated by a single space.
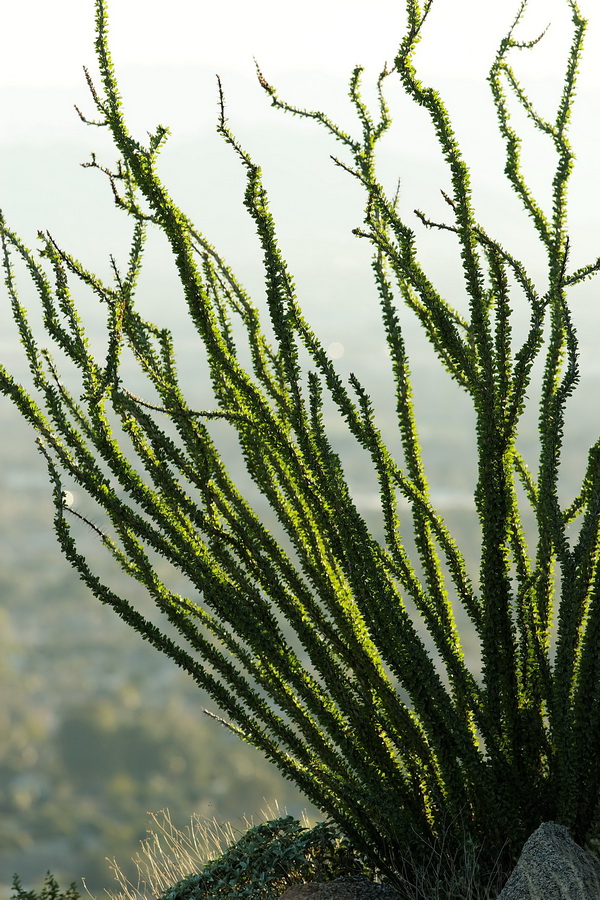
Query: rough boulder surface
pixel 553 867
pixel 356 888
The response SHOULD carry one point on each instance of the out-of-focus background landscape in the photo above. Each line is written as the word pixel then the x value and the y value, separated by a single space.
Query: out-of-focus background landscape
pixel 96 729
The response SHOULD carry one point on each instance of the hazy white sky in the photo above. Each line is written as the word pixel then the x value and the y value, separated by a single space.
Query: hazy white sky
pixel 44 42
pixel 167 53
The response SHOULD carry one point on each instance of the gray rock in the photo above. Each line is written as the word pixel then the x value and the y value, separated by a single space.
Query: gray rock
pixel 553 867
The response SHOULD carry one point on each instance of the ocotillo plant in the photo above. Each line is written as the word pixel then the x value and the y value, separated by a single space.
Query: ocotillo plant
pixel 302 635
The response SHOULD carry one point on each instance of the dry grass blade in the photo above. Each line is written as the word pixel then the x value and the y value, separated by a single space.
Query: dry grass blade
pixel 170 854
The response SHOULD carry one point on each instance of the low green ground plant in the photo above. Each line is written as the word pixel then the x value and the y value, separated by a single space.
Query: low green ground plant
pixel 207 860
pixel 309 637
pixel 50 890
pixel 268 858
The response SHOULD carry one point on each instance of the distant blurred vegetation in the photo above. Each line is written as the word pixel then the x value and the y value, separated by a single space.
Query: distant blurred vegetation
pixel 86 752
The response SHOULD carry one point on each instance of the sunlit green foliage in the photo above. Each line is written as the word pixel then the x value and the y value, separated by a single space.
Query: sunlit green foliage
pixel 351 708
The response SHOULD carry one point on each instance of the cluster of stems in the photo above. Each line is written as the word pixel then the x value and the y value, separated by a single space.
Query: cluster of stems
pixel 301 634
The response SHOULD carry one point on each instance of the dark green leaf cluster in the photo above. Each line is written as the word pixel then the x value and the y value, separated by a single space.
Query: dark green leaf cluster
pixel 268 858
pixel 50 890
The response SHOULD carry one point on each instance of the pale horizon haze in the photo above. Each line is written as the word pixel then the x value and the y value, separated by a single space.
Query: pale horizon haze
pixel 167 55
